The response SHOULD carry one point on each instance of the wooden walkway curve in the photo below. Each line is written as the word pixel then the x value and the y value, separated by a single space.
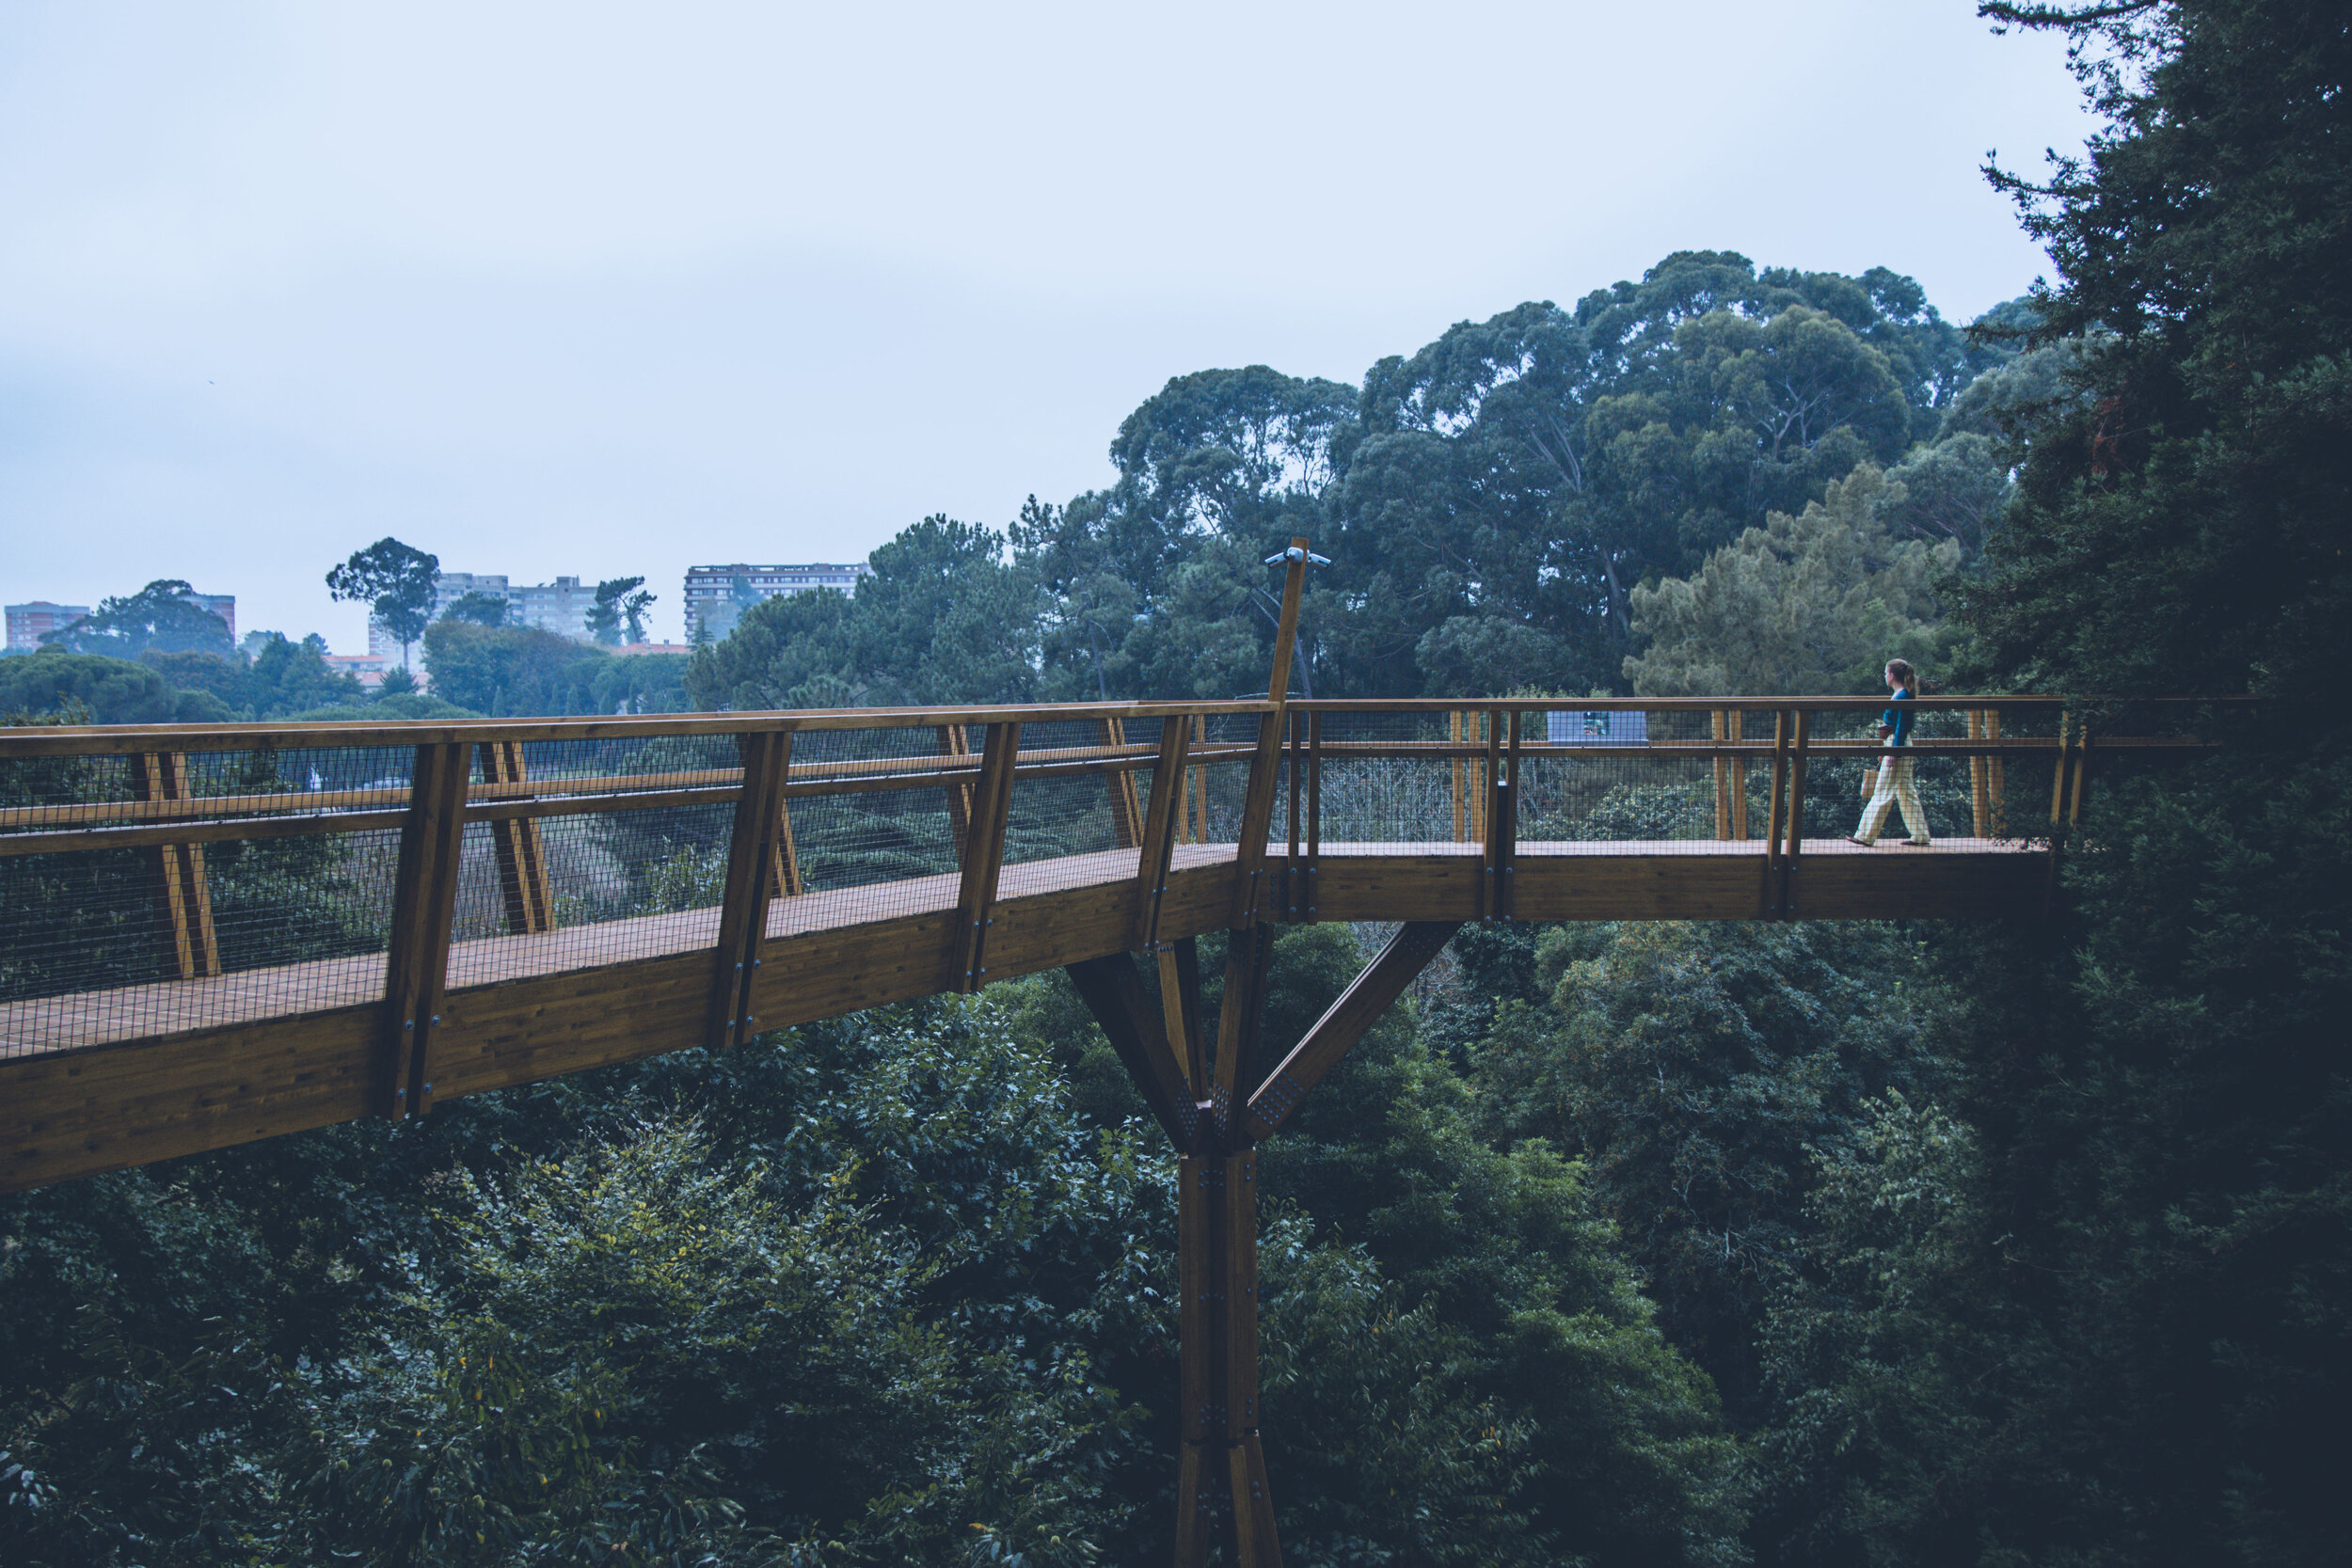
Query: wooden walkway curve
pixel 1063 838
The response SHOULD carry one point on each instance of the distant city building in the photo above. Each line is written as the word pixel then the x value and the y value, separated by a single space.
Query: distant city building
pixel 27 623
pixel 560 606
pixel 716 596
pixel 642 648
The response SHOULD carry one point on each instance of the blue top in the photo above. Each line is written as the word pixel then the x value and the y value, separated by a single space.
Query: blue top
pixel 1898 718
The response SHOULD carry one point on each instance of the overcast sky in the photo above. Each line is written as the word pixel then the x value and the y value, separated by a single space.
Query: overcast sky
pixel 603 291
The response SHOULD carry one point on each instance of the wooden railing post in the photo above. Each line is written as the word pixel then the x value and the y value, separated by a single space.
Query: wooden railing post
pixel 1796 815
pixel 1737 722
pixel 1314 810
pixel 1996 776
pixel 1716 726
pixel 1497 848
pixel 424 914
pixel 1979 799
pixel 1781 735
pixel 984 857
pixel 752 854
pixel 183 896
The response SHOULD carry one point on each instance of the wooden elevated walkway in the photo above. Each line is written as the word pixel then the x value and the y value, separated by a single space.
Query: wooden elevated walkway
pixel 214 935
pixel 177 1067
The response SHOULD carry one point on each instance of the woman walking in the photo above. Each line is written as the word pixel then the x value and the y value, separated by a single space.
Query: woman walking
pixel 1895 782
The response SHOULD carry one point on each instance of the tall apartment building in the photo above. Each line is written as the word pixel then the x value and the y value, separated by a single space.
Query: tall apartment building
pixel 28 622
pixel 560 606
pixel 714 602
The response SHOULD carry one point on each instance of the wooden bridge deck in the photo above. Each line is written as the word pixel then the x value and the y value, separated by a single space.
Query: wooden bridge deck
pixel 156 1070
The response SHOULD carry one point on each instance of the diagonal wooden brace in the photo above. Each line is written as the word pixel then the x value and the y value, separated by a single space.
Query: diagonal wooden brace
pixel 1338 1030
pixel 1115 994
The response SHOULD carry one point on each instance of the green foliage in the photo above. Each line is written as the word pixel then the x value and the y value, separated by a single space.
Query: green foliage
pixel 159 617
pixel 503 671
pixel 395 581
pixel 619 600
pixel 110 691
pixel 478 608
pixel 942 619
pixel 1814 603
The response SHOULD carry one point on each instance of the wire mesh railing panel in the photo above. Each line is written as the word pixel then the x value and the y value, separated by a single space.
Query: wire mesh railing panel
pixel 113 925
pixel 872 853
pixel 1368 799
pixel 564 888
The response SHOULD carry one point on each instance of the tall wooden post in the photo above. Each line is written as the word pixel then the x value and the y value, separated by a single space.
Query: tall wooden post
pixel 424 914
pixel 1717 725
pixel 1979 799
pixel 1736 726
pixel 1126 811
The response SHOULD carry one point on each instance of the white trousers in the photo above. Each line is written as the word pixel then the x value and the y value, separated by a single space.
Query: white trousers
pixel 1894 787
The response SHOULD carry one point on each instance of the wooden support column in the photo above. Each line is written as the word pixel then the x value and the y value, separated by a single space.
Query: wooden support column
pixel 1256 1543
pixel 751 853
pixel 524 888
pixel 424 911
pixel 2082 772
pixel 184 898
pixel 1200 1472
pixel 1126 813
pixel 1161 830
pixel 983 857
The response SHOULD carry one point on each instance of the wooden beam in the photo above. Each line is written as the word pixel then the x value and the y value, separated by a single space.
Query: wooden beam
pixel 1126 813
pixel 1996 782
pixel 984 852
pixel 1114 993
pixel 750 884
pixel 1344 1022
pixel 1160 831
pixel 424 913
pixel 184 898
pixel 1248 955
pixel 952 743
pixel 524 887
pixel 1180 1009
